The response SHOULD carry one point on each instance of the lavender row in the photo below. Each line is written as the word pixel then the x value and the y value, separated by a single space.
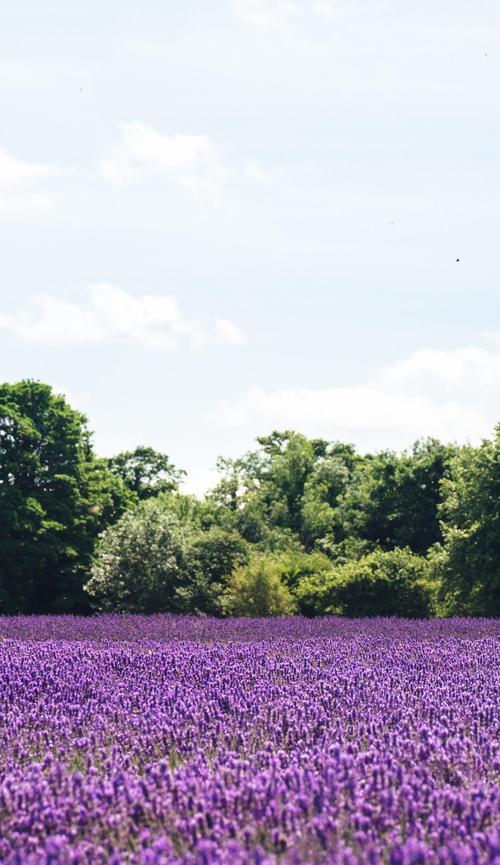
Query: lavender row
pixel 124 627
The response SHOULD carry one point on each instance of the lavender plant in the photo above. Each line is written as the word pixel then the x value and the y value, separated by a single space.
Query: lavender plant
pixel 163 740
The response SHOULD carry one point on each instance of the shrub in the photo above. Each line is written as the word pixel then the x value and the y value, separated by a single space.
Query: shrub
pixel 212 556
pixel 256 589
pixel 379 584
pixel 295 565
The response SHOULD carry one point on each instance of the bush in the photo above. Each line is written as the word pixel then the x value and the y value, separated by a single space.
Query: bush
pixel 212 556
pixel 256 589
pixel 140 562
pixel 295 565
pixel 394 583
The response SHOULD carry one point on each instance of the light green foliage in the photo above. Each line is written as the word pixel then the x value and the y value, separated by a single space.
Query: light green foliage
pixel 140 562
pixel 469 564
pixel 288 488
pixel 296 565
pixel 328 497
pixel 151 560
pixel 257 589
pixel 379 584
pixel 334 471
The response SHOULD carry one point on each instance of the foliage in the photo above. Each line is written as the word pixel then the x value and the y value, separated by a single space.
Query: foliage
pixel 394 583
pixel 140 562
pixel 54 500
pixel 146 472
pixel 295 565
pixel 256 589
pixel 151 561
pixel 393 499
pixel 331 498
pixel 211 557
pixel 469 564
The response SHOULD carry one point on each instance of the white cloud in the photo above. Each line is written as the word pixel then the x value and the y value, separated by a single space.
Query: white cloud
pixel 111 315
pixel 342 8
pixel 326 8
pixel 17 179
pixel 15 204
pixel 275 15
pixel 189 160
pixel 452 395
pixel 266 14
pixel 199 481
pixel 472 370
pixel 228 332
pixel 14 172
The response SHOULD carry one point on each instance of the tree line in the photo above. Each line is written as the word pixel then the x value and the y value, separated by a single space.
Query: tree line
pixel 295 525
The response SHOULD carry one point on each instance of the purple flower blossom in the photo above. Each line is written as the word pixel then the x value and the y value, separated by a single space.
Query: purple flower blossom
pixel 179 741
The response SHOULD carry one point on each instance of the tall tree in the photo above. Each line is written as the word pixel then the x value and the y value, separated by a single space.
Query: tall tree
pixel 470 561
pixel 393 499
pixel 146 472
pixel 54 499
pixel 284 484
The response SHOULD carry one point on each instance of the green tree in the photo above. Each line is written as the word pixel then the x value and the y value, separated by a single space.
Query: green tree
pixel 212 556
pixel 146 472
pixel 393 499
pixel 158 558
pixel 289 484
pixel 54 499
pixel 295 564
pixel 335 469
pixel 140 562
pixel 256 589
pixel 469 564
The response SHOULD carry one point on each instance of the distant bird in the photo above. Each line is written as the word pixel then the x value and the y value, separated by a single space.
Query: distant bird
pixel 458 259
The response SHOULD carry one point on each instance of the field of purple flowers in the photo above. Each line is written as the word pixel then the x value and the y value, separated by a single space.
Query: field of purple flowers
pixel 177 740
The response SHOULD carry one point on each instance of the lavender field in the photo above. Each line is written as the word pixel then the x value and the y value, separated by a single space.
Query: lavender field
pixel 178 740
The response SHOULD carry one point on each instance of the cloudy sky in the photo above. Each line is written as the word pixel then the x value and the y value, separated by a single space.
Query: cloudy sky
pixel 220 217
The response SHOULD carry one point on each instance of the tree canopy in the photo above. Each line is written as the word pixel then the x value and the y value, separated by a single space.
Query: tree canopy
pixel 300 523
pixel 146 472
pixel 55 498
pixel 470 513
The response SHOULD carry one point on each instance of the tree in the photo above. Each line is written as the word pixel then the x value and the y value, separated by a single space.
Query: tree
pixel 54 499
pixel 469 563
pixel 333 474
pixel 288 484
pixel 393 499
pixel 394 583
pixel 157 558
pixel 146 472
pixel 212 556
pixel 256 589
pixel 140 562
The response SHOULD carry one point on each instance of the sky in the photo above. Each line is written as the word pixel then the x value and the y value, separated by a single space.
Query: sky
pixel 224 217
